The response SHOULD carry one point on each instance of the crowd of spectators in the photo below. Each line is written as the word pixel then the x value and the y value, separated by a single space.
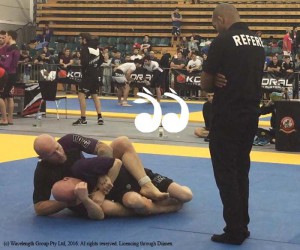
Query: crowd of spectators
pixel 191 52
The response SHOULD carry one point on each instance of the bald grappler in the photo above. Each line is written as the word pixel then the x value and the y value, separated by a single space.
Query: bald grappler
pixel 58 157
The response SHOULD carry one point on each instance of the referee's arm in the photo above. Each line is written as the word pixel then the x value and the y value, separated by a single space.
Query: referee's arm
pixel 210 81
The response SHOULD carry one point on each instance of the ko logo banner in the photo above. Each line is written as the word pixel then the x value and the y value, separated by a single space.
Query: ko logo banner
pixel 147 123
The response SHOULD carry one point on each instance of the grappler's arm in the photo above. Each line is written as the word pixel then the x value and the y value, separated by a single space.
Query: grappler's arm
pixel 94 210
pixel 49 207
pixel 110 208
pixel 114 170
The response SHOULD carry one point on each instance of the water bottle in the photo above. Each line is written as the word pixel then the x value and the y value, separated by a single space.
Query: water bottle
pixel 24 78
pixel 27 78
pixel 290 93
pixel 160 131
pixel 39 120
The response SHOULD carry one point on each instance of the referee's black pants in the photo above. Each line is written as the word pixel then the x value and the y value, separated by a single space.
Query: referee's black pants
pixel 230 146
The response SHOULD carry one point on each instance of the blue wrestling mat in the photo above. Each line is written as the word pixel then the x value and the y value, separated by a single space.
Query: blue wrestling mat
pixel 274 211
pixel 111 105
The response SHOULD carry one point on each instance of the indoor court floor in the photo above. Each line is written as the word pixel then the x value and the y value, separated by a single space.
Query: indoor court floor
pixel 274 189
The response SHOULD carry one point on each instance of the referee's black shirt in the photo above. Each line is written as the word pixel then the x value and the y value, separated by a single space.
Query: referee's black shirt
pixel 239 55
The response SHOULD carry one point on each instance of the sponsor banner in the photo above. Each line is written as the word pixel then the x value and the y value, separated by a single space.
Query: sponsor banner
pixel 140 76
pixel 32 99
pixel 277 81
pixel 71 75
pixel 186 81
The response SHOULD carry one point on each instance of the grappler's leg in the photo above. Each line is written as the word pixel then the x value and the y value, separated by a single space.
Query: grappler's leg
pixel 124 150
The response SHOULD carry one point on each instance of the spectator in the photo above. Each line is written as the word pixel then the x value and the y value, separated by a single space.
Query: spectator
pixel 66 59
pixel 287 43
pixel 293 37
pixel 127 59
pixel 194 64
pixel 47 52
pixel 176 25
pixel 9 61
pixel 25 57
pixel 152 56
pixel 76 58
pixel 177 63
pixel 117 59
pixel 297 62
pixel 3 44
pixel 135 55
pixel 47 33
pixel 287 65
pixel 107 72
pixel 41 59
pixel 146 43
pixel 192 44
pixel 274 66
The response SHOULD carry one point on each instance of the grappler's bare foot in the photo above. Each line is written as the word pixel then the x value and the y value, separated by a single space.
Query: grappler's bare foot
pixel 150 191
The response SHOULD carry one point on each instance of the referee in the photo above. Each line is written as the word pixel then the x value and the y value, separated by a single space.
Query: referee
pixel 233 71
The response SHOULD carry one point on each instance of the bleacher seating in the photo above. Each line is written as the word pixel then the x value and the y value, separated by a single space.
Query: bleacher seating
pixel 127 21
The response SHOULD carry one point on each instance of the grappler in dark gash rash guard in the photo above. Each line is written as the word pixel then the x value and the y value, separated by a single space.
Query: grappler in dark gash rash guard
pixel 122 200
pixel 58 157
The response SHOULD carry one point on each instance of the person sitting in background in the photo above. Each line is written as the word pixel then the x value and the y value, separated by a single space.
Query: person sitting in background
pixel 66 59
pixel 274 66
pixel 177 63
pixel 192 44
pixel 287 66
pixel 194 64
pixel 47 34
pixel 263 136
pixel 135 55
pixel 41 59
pixel 207 115
pixel 25 57
pixel 146 44
pixel 76 58
pixel 152 56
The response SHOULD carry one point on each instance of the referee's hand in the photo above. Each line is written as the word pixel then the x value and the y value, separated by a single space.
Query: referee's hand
pixel 220 80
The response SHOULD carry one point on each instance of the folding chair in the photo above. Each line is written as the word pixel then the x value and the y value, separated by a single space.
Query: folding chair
pixel 48 92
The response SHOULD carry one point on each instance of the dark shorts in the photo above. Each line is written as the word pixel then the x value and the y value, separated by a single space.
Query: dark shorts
pixel 126 183
pixel 157 79
pixel 90 82
pixel 3 81
pixel 118 78
pixel 8 91
pixel 176 31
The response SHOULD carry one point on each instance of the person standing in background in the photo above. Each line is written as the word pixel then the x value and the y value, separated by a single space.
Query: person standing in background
pixel 176 26
pixel 9 61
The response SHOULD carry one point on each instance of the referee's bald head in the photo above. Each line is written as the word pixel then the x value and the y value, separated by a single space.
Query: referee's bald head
pixel 224 16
